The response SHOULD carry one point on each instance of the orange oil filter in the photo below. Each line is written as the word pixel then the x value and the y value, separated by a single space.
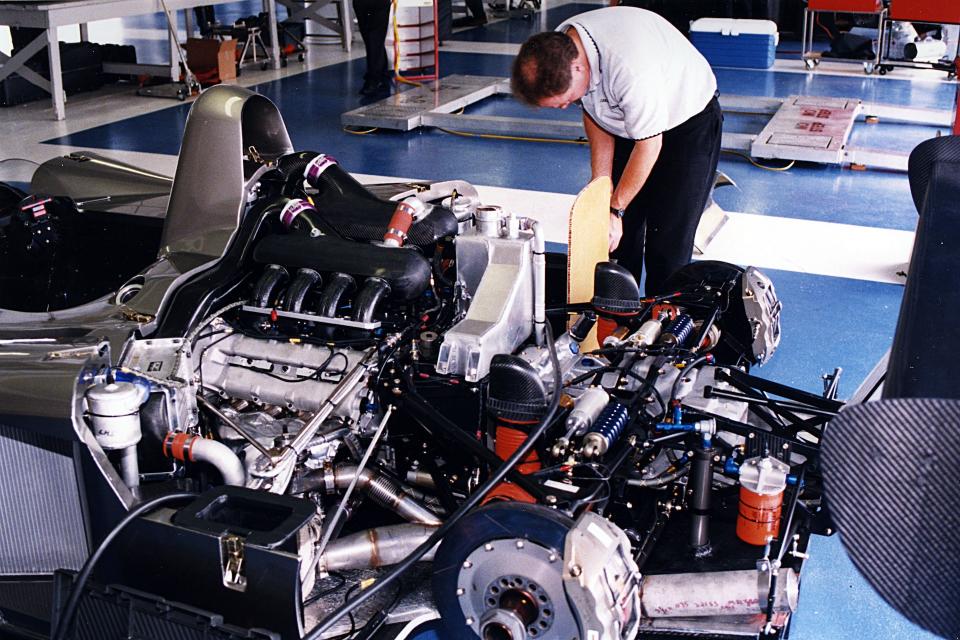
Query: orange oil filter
pixel 762 483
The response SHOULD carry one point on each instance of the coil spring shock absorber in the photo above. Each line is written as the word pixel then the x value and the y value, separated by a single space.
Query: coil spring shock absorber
pixel 679 331
pixel 607 430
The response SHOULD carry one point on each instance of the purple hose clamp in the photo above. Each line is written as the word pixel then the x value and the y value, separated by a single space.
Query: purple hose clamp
pixel 317 166
pixel 292 209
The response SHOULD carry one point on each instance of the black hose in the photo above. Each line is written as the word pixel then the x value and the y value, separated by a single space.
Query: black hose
pixel 76 593
pixel 472 501
pixel 369 298
pixel 265 289
pixel 305 280
pixel 339 285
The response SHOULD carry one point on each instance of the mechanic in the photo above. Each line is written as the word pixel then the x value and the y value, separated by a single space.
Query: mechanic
pixel 652 119
pixel 373 19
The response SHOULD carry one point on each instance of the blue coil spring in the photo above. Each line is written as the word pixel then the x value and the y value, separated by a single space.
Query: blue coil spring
pixel 681 329
pixel 611 422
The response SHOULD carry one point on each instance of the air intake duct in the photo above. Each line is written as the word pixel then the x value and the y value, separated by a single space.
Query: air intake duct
pixel 407 272
pixel 517 401
pixel 517 392
pixel 303 282
pixel 339 285
pixel 374 291
pixel 265 291
pixel 352 209
pixel 615 295
pixel 615 290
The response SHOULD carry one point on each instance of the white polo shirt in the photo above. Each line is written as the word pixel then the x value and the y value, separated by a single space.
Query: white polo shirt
pixel 645 76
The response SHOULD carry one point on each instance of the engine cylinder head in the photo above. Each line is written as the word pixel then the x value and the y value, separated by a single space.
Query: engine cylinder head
pixel 607 430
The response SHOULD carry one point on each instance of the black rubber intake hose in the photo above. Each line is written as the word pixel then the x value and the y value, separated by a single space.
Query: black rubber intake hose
pixel 517 392
pixel 265 291
pixel 305 280
pixel 615 290
pixel 293 166
pixel 374 292
pixel 406 271
pixel 339 285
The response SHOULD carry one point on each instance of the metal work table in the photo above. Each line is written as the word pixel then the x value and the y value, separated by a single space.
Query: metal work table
pixel 51 14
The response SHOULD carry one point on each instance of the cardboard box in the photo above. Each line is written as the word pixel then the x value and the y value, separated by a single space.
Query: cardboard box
pixel 212 61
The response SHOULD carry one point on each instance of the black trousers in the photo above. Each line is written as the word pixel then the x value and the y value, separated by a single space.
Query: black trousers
pixel 661 222
pixel 373 17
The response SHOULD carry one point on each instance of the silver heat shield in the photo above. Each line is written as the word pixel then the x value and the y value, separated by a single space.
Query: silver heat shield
pixel 498 275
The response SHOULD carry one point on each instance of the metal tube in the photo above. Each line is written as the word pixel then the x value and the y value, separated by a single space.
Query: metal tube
pixel 129 467
pixel 701 478
pixel 384 492
pixel 221 457
pixel 717 593
pixel 206 404
pixel 539 278
pixel 376 547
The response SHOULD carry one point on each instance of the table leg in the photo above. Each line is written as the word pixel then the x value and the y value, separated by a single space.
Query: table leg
pixel 84 32
pixel 270 6
pixel 188 21
pixel 174 45
pixel 56 75
pixel 346 10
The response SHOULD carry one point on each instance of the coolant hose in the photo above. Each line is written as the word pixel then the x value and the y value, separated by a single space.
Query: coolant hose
pixel 264 292
pixel 305 280
pixel 366 302
pixel 187 446
pixel 340 284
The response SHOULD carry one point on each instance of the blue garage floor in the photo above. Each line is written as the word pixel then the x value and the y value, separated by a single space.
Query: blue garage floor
pixel 827 321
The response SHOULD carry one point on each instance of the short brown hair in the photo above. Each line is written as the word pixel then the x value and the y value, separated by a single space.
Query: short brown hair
pixel 542 68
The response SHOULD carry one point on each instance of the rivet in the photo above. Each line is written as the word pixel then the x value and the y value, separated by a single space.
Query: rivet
pixel 467 565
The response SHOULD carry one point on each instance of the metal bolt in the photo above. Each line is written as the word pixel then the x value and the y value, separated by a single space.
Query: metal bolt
pixel 467 565
pixel 552 557
pixel 576 570
pixel 716 458
pixel 488 547
pixel 751 435
pixel 461 591
pixel 786 445
pixel 519 544
pixel 470 621
pixel 551 499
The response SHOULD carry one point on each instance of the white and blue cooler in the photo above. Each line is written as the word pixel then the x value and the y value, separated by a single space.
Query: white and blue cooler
pixel 726 42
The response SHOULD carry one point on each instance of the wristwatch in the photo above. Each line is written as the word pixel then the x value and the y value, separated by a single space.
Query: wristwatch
pixel 616 212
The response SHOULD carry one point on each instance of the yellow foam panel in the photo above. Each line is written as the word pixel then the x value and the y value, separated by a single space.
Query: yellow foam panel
pixel 587 243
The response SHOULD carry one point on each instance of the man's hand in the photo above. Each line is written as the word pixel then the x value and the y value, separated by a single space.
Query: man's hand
pixel 616 231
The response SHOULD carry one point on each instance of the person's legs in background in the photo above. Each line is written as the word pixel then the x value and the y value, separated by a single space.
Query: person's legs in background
pixel 373 18
pixel 661 222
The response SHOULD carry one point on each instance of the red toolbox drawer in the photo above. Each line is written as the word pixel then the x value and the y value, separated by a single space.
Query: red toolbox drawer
pixel 925 10
pixel 851 6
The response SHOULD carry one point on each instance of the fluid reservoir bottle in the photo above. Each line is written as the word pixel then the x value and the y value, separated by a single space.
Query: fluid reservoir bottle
pixel 762 483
